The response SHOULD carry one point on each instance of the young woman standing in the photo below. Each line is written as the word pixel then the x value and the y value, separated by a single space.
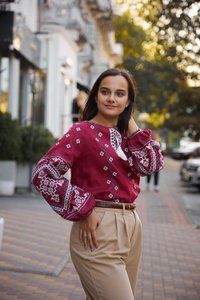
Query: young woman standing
pixel 107 153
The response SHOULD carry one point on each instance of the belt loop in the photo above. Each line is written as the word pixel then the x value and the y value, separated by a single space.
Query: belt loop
pixel 123 208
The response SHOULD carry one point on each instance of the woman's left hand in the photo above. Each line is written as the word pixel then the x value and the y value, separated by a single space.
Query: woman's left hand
pixel 87 232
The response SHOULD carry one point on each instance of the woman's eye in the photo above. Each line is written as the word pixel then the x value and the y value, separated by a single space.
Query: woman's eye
pixel 120 94
pixel 104 92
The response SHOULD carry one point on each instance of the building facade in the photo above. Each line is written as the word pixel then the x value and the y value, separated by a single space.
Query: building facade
pixel 49 50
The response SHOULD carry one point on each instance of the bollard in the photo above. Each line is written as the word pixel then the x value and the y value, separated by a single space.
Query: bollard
pixel 1 231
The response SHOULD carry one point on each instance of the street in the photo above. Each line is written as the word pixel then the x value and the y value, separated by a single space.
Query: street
pixel 35 262
pixel 187 197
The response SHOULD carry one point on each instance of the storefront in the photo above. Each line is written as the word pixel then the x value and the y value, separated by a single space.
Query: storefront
pixel 19 65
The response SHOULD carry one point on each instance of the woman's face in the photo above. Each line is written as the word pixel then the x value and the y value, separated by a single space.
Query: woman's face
pixel 112 97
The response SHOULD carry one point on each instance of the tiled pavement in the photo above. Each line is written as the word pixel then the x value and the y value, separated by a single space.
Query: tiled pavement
pixel 35 262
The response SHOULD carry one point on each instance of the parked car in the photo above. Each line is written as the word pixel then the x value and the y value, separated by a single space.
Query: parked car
pixel 190 150
pixel 190 171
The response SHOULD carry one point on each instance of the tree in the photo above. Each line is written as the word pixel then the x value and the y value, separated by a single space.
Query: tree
pixel 173 26
pixel 162 59
pixel 178 25
pixel 130 35
pixel 185 112
pixel 154 79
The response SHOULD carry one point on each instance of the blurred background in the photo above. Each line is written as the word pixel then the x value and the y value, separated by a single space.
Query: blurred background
pixel 51 51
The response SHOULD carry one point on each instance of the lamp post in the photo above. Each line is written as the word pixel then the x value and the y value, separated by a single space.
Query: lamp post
pixel 34 89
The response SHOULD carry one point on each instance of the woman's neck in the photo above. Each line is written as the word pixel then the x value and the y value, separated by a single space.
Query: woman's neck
pixel 105 121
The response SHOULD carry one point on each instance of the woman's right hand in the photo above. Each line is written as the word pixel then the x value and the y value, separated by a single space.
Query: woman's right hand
pixel 87 231
pixel 132 126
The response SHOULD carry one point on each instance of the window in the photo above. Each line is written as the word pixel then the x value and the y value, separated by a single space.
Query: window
pixel 4 83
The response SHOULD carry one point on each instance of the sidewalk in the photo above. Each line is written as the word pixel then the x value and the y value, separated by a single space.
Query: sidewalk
pixel 35 262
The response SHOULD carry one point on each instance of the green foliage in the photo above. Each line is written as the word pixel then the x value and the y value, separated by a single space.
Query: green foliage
pixel 174 27
pixel 22 144
pixel 157 84
pixel 10 137
pixel 35 142
pixel 180 30
pixel 130 35
pixel 184 112
pixel 161 50
pixel 157 80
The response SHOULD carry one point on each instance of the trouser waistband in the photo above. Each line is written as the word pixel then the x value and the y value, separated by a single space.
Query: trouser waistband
pixel 108 204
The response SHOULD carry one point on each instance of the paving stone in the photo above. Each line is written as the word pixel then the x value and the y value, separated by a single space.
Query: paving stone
pixel 35 262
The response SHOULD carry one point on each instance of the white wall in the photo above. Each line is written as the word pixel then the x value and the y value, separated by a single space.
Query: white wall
pixel 61 75
pixel 13 95
pixel 68 53
pixel 29 9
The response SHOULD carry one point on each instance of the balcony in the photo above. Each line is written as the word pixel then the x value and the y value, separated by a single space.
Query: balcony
pixel 100 8
pixel 18 37
pixel 67 15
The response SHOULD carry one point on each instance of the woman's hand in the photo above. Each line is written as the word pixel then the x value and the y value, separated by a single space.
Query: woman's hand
pixel 132 126
pixel 88 231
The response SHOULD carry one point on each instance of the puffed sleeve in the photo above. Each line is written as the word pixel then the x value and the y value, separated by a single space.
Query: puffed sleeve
pixel 69 201
pixel 144 154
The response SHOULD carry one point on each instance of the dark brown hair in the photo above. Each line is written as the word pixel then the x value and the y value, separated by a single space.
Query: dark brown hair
pixel 91 109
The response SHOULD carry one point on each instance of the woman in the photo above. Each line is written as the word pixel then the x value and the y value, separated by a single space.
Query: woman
pixel 107 153
pixel 155 176
pixel 78 105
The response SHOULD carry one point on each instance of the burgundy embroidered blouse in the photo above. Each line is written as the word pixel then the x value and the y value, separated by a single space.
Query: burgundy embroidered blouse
pixel 104 165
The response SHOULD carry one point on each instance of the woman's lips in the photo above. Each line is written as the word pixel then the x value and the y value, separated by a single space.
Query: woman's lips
pixel 110 106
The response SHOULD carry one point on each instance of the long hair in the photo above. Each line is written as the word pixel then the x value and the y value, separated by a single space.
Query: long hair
pixel 91 109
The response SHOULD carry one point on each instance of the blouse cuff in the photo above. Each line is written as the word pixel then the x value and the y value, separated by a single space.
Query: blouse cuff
pixel 139 139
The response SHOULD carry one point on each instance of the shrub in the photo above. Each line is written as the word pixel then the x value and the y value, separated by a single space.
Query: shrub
pixel 23 144
pixel 35 142
pixel 10 137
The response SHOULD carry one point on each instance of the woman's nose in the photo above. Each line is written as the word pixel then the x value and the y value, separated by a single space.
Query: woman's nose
pixel 111 97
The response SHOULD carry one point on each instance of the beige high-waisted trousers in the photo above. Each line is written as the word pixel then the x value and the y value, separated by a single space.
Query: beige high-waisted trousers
pixel 110 271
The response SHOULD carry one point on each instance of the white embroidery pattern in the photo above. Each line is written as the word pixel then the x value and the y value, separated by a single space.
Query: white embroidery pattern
pixel 64 198
pixel 104 153
pixel 142 156
pixel 143 161
pixel 113 133
pixel 49 186
pixel 116 140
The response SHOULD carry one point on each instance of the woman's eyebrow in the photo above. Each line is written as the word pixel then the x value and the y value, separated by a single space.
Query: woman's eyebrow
pixel 119 90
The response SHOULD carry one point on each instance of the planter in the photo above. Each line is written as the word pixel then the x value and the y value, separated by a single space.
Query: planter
pixel 23 175
pixel 7 177
pixel 1 231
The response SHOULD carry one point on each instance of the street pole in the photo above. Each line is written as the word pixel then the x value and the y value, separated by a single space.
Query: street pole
pixel 34 91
